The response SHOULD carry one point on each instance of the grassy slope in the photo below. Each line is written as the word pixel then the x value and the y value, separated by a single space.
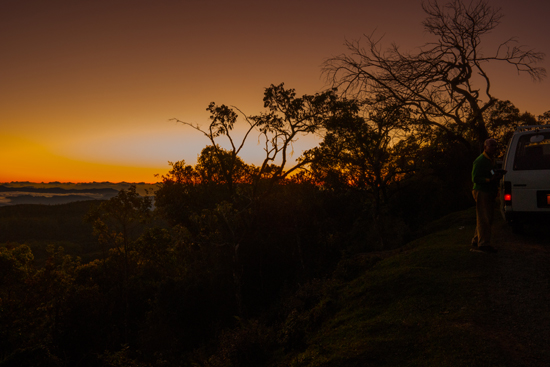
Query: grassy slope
pixel 424 306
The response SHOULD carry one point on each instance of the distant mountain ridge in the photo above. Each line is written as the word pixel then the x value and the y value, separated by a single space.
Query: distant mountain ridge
pixel 52 195
pixel 142 188
pixel 58 190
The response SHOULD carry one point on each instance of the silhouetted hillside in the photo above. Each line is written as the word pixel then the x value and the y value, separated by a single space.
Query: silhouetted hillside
pixel 41 225
pixel 58 190
pixel 10 195
pixel 430 303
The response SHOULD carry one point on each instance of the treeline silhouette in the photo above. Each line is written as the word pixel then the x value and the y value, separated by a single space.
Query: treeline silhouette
pixel 221 262
pixel 218 273
pixel 163 290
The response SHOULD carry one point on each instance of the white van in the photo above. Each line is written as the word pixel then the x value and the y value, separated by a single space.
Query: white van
pixel 525 188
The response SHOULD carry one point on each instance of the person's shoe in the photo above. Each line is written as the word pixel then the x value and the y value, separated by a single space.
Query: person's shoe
pixel 487 249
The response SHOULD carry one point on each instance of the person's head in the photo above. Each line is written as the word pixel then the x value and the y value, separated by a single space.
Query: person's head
pixel 490 147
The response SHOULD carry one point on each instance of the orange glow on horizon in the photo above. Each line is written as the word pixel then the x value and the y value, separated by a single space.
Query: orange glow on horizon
pixel 25 160
pixel 89 87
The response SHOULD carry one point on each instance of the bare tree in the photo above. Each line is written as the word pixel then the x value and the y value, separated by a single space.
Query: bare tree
pixel 445 83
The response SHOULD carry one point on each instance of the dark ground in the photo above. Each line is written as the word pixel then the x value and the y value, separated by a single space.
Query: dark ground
pixel 518 293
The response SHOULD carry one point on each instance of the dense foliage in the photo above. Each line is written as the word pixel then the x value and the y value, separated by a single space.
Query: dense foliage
pixel 214 275
pixel 220 271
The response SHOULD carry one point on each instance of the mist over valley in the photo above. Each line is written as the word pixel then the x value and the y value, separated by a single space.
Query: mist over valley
pixel 54 193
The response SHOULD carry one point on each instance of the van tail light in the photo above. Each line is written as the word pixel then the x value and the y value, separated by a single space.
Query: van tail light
pixel 507 193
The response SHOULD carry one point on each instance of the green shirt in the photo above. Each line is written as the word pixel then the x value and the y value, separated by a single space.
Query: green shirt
pixel 481 174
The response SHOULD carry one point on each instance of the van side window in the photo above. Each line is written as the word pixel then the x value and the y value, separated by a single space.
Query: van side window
pixel 532 156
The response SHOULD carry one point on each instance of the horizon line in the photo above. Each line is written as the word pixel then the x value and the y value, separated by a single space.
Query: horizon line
pixel 79 182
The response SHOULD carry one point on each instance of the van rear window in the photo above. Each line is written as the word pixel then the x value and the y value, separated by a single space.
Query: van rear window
pixel 533 154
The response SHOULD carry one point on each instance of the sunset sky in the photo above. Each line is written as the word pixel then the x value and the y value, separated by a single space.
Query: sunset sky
pixel 88 87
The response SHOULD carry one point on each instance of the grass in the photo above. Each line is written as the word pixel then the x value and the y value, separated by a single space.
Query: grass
pixel 424 306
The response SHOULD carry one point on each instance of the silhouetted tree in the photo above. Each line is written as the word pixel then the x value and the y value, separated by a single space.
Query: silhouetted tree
pixel 117 223
pixel 445 84
pixel 217 166
pixel 363 147
pixel 16 275
pixel 367 150
pixel 503 118
pixel 544 118
pixel 287 118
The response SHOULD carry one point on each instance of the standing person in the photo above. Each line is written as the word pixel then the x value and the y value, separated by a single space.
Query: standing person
pixel 485 190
